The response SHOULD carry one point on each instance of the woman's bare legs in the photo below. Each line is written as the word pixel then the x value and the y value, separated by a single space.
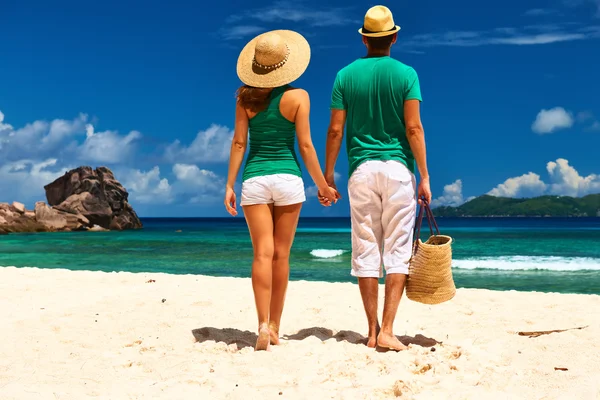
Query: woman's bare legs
pixel 285 221
pixel 260 223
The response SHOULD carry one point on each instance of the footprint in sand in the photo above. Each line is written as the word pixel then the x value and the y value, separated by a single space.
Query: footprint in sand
pixel 452 352
pixel 401 388
pixel 420 366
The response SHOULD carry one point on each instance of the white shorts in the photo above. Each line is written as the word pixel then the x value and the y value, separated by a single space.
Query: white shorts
pixel 382 208
pixel 276 189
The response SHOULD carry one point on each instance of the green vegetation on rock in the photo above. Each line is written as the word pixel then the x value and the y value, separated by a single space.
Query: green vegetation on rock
pixel 544 206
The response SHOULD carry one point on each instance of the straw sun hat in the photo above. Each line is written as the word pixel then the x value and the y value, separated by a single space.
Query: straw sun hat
pixel 378 22
pixel 273 59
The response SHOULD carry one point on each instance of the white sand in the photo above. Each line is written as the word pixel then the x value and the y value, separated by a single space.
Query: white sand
pixel 77 335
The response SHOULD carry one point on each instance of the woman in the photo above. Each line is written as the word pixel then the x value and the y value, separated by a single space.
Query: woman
pixel 272 188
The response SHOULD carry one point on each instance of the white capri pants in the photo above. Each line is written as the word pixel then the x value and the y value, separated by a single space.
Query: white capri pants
pixel 382 208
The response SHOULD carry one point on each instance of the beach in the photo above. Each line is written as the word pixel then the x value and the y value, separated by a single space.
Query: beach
pixel 81 334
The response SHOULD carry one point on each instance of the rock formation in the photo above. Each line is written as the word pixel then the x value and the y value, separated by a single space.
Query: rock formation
pixel 96 195
pixel 82 199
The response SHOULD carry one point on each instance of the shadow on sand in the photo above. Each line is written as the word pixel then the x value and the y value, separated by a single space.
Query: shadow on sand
pixel 248 339
pixel 227 335
pixel 356 338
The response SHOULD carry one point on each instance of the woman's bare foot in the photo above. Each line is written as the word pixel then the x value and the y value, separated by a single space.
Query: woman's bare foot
pixel 262 343
pixel 389 341
pixel 274 333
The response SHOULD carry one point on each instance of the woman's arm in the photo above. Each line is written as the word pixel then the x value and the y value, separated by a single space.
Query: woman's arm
pixel 238 145
pixel 307 149
pixel 236 156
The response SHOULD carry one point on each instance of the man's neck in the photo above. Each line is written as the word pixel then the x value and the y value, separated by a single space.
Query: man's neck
pixel 378 53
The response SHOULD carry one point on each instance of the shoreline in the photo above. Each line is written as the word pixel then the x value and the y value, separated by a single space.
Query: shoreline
pixel 459 273
pixel 76 334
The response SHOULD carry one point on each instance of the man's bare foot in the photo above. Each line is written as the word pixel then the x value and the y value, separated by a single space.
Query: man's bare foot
pixel 372 342
pixel 274 333
pixel 372 339
pixel 389 341
pixel 262 343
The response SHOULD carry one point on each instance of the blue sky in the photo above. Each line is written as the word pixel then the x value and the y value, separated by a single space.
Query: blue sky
pixel 510 92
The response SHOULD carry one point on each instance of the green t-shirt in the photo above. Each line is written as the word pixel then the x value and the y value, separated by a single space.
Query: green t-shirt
pixel 373 90
pixel 272 141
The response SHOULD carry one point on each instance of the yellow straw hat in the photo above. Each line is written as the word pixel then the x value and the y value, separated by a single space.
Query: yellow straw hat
pixel 273 59
pixel 378 22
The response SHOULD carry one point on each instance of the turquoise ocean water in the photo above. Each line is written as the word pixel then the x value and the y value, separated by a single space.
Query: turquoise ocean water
pixel 541 254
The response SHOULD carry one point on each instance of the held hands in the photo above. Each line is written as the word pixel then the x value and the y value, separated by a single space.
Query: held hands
pixel 328 195
pixel 230 201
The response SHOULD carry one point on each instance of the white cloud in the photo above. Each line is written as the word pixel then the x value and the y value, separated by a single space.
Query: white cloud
pixel 25 166
pixel 190 184
pixel 566 181
pixel 584 116
pixel 587 117
pixel 312 191
pixel 452 195
pixel 3 126
pixel 211 145
pixel 594 4
pixel 62 139
pixel 108 146
pixel 39 139
pixel 528 185
pixel 146 187
pixel 24 180
pixel 595 127
pixel 240 31
pixel 296 12
pixel 541 38
pixel 522 36
pixel 548 121
pixel 197 185
pixel 60 129
pixel 538 12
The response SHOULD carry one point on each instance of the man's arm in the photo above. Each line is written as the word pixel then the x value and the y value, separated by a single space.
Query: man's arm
pixel 335 134
pixel 416 138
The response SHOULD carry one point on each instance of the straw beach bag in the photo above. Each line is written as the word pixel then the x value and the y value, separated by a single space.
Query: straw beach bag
pixel 430 278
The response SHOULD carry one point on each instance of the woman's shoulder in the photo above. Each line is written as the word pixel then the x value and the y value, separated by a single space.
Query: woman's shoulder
pixel 297 94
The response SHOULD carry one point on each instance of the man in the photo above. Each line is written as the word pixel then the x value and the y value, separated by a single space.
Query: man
pixel 377 98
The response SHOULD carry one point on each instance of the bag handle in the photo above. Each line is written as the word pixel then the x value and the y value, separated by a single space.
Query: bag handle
pixel 430 221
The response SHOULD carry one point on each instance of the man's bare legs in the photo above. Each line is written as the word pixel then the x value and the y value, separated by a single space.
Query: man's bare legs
pixel 369 291
pixel 285 221
pixel 394 287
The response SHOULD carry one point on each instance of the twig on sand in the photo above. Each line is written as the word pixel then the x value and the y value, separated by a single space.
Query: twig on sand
pixel 540 333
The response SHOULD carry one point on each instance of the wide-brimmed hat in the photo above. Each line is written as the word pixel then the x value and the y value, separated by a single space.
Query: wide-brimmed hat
pixel 378 22
pixel 273 59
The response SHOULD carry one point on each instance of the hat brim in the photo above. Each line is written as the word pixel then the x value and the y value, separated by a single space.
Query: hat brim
pixel 294 67
pixel 379 34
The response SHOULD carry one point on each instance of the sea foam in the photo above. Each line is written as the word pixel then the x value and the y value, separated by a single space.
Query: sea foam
pixel 323 253
pixel 524 263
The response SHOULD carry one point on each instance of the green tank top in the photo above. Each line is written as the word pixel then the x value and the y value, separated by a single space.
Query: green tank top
pixel 272 141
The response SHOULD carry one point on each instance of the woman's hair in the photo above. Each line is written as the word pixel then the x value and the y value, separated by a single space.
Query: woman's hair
pixel 253 98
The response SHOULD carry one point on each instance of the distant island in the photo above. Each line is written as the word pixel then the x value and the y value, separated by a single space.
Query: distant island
pixel 543 206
